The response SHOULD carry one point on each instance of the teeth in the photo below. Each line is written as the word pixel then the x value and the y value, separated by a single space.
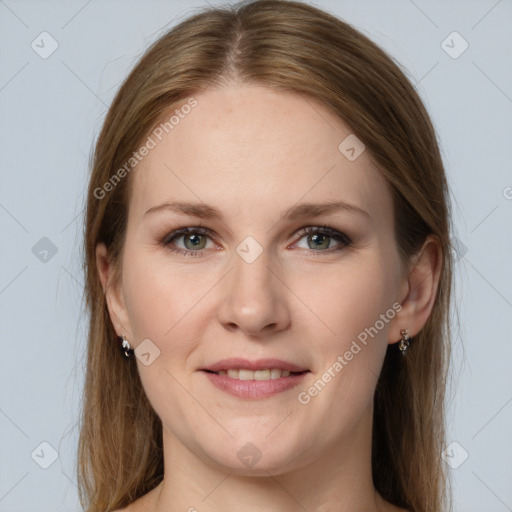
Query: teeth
pixel 242 374
pixel 262 375
pixel 245 375
pixel 275 373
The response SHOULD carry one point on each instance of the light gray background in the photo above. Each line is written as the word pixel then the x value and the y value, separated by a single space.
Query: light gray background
pixel 51 112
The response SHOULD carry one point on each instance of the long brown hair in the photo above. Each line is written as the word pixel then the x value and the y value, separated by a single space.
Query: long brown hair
pixel 288 46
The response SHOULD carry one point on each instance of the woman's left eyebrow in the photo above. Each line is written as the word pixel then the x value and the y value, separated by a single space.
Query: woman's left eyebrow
pixel 317 209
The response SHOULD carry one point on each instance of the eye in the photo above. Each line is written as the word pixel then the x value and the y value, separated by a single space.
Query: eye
pixel 194 240
pixel 321 238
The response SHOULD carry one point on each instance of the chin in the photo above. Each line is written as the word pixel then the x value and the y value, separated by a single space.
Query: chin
pixel 255 458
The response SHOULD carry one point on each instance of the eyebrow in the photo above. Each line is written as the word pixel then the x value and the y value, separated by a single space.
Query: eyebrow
pixel 205 211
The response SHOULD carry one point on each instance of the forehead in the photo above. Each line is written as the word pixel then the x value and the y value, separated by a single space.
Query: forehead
pixel 247 148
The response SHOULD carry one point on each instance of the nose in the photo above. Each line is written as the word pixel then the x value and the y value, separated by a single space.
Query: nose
pixel 254 298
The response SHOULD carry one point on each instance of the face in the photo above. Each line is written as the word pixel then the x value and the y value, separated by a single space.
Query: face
pixel 258 281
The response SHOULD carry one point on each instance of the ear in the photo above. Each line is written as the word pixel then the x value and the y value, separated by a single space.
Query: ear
pixel 112 288
pixel 418 290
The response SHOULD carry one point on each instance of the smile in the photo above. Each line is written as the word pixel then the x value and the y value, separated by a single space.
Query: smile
pixel 268 374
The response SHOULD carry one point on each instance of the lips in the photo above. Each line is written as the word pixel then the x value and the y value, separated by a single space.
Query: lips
pixel 254 379
pixel 254 389
pixel 266 374
pixel 237 363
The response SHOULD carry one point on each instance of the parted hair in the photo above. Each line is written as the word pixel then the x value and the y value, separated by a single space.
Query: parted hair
pixel 295 47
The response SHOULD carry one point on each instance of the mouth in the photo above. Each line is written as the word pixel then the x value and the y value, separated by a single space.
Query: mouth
pixel 254 379
pixel 266 374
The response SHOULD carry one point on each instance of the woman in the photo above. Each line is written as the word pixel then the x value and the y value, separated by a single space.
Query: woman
pixel 268 276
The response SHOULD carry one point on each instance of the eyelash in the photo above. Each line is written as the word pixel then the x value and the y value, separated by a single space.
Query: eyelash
pixel 325 229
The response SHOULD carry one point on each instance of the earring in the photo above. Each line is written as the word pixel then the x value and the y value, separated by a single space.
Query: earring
pixel 404 342
pixel 125 346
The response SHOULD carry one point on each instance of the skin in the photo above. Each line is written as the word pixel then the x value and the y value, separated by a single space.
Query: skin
pixel 252 152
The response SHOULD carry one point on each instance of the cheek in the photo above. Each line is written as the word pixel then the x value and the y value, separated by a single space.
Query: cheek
pixel 346 301
pixel 149 298
pixel 350 353
pixel 160 300
pixel 160 305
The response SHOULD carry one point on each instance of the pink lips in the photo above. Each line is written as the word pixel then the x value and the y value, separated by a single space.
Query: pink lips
pixel 254 389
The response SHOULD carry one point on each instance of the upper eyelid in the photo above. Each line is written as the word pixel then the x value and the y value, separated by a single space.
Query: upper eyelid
pixel 206 231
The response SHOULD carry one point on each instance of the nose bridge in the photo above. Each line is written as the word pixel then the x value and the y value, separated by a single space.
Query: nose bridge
pixel 251 276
